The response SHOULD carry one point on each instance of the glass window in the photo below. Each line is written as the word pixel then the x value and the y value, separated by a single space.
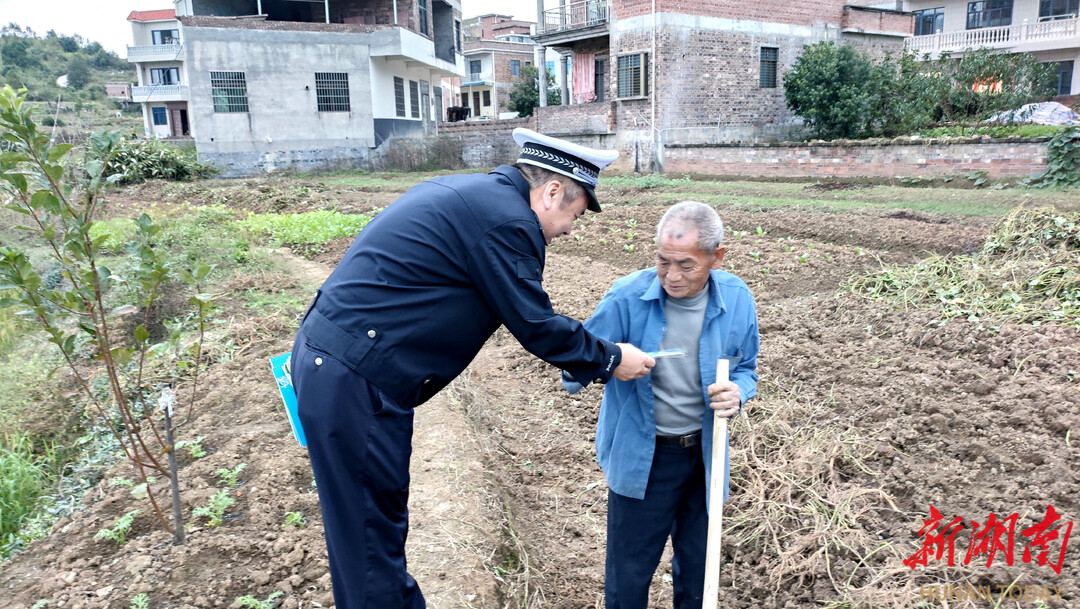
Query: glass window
pixel 399 96
pixel 929 21
pixel 164 76
pixel 229 90
pixel 487 98
pixel 1064 71
pixel 767 67
pixel 989 13
pixel 474 69
pixel 414 101
pixel 1050 10
pixel 423 16
pixel 633 75
pixel 160 116
pixel 332 91
pixel 166 36
pixel 515 67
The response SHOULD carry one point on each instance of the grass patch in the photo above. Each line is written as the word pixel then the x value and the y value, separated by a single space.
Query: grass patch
pixel 996 131
pixel 22 480
pixel 1026 272
pixel 116 232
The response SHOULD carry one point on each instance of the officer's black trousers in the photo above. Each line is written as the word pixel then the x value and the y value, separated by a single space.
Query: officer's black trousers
pixel 360 442
pixel 638 530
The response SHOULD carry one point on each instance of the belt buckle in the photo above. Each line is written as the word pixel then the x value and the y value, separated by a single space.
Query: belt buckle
pixel 686 441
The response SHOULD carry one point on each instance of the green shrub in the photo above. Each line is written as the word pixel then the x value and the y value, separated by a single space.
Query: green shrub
pixel 22 479
pixel 139 160
pixel 996 131
pixel 115 232
pixel 832 88
pixel 1063 161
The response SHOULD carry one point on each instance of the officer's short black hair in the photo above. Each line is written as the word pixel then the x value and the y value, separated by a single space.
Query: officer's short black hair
pixel 538 176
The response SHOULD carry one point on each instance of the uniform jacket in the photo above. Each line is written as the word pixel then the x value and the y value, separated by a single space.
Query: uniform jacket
pixel 633 311
pixel 430 278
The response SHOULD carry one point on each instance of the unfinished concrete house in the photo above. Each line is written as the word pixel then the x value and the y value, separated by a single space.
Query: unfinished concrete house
pixel 272 84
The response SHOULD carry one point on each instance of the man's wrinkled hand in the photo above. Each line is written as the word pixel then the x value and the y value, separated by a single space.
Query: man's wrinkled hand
pixel 635 363
pixel 724 398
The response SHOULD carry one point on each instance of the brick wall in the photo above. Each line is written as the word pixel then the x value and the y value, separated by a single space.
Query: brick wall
pixel 802 12
pixel 1018 157
pixel 578 119
pixel 877 20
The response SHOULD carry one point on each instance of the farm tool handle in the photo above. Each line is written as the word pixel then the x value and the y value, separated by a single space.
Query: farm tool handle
pixel 710 600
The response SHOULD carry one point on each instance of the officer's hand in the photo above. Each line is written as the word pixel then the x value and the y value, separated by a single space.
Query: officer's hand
pixel 634 365
pixel 724 398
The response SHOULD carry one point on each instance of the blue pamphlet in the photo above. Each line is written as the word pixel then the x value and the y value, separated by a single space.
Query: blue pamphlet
pixel 283 374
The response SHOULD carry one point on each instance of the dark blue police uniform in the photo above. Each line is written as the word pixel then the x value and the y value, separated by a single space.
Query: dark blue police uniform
pixel 414 299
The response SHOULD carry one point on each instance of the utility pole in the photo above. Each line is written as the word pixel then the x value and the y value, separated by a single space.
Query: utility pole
pixel 541 57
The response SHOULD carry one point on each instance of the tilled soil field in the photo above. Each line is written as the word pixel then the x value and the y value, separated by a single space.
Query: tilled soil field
pixel 867 416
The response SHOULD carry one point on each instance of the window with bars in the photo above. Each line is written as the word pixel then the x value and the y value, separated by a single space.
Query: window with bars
pixel 770 56
pixel 633 75
pixel 399 96
pixel 414 98
pixel 229 90
pixel 422 4
pixel 929 21
pixel 332 91
pixel 1050 10
pixel 989 13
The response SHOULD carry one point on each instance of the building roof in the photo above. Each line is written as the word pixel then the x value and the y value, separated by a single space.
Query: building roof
pixel 157 15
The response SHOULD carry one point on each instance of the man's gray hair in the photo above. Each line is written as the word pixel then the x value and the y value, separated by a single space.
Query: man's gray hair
pixel 684 217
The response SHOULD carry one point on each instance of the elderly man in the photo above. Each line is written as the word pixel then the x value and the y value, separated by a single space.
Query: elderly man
pixel 415 297
pixel 654 435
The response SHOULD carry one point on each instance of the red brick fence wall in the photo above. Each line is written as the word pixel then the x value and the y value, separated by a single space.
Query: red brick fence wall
pixel 903 157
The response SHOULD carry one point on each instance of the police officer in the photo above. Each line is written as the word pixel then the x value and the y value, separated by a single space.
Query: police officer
pixel 415 297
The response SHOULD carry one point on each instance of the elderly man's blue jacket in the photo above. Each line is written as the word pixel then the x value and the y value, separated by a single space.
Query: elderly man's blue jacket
pixel 430 278
pixel 633 311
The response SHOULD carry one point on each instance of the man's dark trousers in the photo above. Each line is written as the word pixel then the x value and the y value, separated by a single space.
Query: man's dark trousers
pixel 359 441
pixel 638 529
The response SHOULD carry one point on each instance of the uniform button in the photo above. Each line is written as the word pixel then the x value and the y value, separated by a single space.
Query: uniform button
pixel 318 361
pixel 371 333
pixel 426 381
pixel 598 380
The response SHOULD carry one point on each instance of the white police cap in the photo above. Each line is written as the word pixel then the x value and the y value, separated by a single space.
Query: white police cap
pixel 578 162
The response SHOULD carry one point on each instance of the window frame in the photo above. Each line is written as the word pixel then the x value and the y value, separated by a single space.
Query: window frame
pixel 156 76
pixel 768 67
pixel 992 13
pixel 1064 70
pixel 229 94
pixel 332 92
pixel 157 37
pixel 641 69
pixel 422 9
pixel 414 99
pixel 1058 9
pixel 937 16
pixel 164 116
pixel 485 98
pixel 515 67
pixel 399 96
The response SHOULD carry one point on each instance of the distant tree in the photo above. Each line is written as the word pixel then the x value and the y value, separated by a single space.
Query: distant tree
pixel 92 48
pixel 13 79
pixel 78 73
pixel 831 86
pixel 524 95
pixel 69 44
pixel 14 52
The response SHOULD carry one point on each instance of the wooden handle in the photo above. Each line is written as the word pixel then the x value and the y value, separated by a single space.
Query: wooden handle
pixel 710 600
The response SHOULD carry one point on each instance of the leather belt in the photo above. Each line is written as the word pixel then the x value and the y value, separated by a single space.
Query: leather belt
pixel 690 439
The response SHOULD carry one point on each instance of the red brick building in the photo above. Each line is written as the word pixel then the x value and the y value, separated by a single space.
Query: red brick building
pixel 647 73
pixel 496 48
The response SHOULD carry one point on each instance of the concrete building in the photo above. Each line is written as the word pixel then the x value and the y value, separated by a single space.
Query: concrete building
pixel 496 48
pixel 1048 29
pixel 267 84
pixel 647 73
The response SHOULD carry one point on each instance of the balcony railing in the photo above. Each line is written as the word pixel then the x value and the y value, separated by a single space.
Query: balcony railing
pixel 576 15
pixel 478 77
pixel 997 37
pixel 155 51
pixel 159 93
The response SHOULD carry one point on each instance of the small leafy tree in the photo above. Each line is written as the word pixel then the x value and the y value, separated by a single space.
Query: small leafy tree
pixel 78 73
pixel 831 86
pixel 59 205
pixel 524 95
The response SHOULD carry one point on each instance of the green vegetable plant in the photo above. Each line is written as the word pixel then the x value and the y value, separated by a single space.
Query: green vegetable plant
pixel 230 477
pixel 250 602
pixel 215 511
pixel 121 527
pixel 294 519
